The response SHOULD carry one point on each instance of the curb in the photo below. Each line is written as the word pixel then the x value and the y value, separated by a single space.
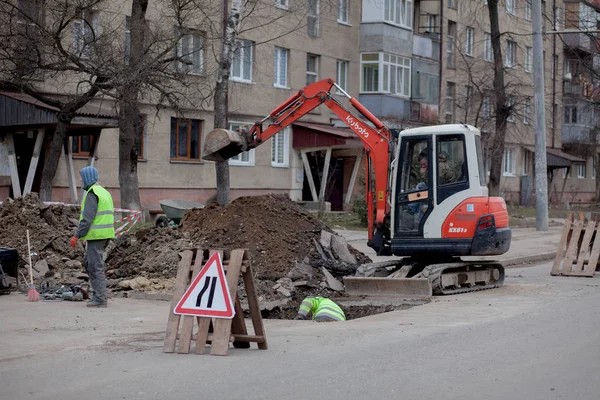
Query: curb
pixel 519 261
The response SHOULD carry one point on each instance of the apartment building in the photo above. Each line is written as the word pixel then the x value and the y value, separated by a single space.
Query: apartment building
pixel 291 44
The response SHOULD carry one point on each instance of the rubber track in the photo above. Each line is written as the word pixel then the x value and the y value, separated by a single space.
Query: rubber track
pixel 434 272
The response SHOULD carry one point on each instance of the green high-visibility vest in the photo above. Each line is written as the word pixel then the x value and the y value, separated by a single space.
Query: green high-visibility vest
pixel 103 225
pixel 321 306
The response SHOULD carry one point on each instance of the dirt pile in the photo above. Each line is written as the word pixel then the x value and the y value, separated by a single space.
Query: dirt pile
pixel 50 228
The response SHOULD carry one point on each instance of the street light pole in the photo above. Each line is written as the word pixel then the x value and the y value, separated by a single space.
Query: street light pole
pixel 539 124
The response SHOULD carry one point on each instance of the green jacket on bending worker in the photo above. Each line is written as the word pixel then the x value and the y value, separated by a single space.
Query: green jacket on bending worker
pixel 322 310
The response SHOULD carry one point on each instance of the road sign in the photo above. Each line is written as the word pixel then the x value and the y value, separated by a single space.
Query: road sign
pixel 208 295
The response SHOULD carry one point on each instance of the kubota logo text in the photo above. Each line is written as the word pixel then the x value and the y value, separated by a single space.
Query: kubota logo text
pixel 457 229
pixel 355 125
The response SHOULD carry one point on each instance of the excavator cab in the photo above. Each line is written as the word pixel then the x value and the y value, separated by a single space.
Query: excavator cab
pixel 441 202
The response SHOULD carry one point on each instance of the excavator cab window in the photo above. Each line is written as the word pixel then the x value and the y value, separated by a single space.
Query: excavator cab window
pixel 414 195
pixel 452 171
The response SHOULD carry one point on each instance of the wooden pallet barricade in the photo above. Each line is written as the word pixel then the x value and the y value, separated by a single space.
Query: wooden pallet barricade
pixel 219 333
pixel 579 247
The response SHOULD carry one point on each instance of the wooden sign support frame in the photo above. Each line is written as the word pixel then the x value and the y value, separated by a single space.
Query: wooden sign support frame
pixel 579 247
pixel 180 328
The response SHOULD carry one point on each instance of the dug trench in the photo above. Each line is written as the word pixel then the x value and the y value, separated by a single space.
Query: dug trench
pixel 293 254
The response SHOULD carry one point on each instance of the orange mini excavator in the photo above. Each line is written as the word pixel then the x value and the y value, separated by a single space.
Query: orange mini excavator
pixel 428 201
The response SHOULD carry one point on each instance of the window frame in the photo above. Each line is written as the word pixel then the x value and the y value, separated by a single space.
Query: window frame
pixel 510 7
pixel 572 117
pixel 508 168
pixel 251 153
pixel 277 57
pixel 317 19
pixel 526 162
pixel 450 99
pixel 189 140
pixel 243 47
pixel 80 153
pixel 396 18
pixel 485 107
pixel 285 135
pixel 528 10
pixel 82 26
pixel 527 111
pixel 581 172
pixel 450 43
pixel 315 73
pixel 511 104
pixel 341 81
pixel 385 66
pixel 510 59
pixel 488 50
pixel 469 41
pixel 280 4
pixel 193 69
pixel 528 59
pixel 343 12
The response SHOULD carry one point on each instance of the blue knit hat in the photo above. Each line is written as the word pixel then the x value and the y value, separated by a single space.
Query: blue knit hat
pixel 89 175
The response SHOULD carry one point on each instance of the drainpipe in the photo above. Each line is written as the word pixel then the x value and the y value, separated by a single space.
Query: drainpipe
pixel 441 57
pixel 554 72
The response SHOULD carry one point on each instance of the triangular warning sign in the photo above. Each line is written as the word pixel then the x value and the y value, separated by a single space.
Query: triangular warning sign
pixel 208 295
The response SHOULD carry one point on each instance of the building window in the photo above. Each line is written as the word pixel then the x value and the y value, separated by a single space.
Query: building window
pixel 581 171
pixel 527 111
pixel 342 74
pixel 511 109
pixel 281 67
pixel 527 159
pixel 247 157
pixel 488 54
pixel 450 101
pixel 468 99
pixel 241 65
pixel 81 146
pixel 343 11
pixel 470 35
pixel 312 25
pixel 450 44
pixel 511 54
pixel 282 4
pixel 570 115
pixel 510 7
pixel 528 59
pixel 85 32
pixel 564 173
pixel 189 52
pixel 280 152
pixel 431 24
pixel 312 68
pixel 140 136
pixel 398 12
pixel 452 4
pixel 385 73
pixel 528 10
pixel 509 162
pixel 485 107
pixel 185 139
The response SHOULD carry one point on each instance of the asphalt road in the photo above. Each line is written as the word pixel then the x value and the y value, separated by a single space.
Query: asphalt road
pixel 535 338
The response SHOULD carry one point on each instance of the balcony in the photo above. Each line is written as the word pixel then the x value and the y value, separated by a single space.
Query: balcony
pixel 581 88
pixel 575 133
pixel 582 41
pixel 426 46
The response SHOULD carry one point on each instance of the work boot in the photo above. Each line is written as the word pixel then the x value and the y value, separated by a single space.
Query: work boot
pixel 97 304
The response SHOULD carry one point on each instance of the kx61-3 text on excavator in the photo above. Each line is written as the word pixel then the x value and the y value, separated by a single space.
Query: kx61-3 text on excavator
pixel 428 203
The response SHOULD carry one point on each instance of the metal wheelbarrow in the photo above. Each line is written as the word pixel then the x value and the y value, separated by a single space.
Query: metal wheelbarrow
pixel 174 210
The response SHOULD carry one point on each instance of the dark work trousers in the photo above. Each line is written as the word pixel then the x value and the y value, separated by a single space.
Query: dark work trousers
pixel 94 266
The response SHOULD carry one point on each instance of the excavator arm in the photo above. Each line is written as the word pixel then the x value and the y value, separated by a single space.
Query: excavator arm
pixel 221 144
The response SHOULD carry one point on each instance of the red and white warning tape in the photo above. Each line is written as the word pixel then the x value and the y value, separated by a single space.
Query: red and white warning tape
pixel 126 222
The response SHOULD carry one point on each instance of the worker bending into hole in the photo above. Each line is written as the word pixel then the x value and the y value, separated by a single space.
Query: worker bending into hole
pixel 322 310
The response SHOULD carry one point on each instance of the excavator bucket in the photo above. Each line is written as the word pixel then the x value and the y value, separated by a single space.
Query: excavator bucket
pixel 399 288
pixel 222 144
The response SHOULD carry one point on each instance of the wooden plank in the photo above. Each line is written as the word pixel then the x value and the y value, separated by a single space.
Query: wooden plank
pixel 325 177
pixel 238 325
pixel 561 247
pixel 202 335
pixel 595 254
pixel 308 174
pixel 220 344
pixel 254 308
pixel 584 249
pixel 183 273
pixel 71 172
pixel 12 163
pixel 187 326
pixel 37 148
pixel 573 247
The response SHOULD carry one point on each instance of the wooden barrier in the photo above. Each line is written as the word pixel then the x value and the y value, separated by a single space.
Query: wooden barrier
pixel 579 247
pixel 220 332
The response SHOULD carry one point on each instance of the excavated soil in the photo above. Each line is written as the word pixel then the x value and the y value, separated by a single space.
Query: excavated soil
pixel 50 228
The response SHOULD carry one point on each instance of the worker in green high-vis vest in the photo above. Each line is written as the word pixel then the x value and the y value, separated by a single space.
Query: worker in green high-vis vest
pixel 96 228
pixel 322 310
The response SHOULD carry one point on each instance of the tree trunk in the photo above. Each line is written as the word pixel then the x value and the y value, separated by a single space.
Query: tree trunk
pixel 129 120
pixel 53 156
pixel 502 109
pixel 230 23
